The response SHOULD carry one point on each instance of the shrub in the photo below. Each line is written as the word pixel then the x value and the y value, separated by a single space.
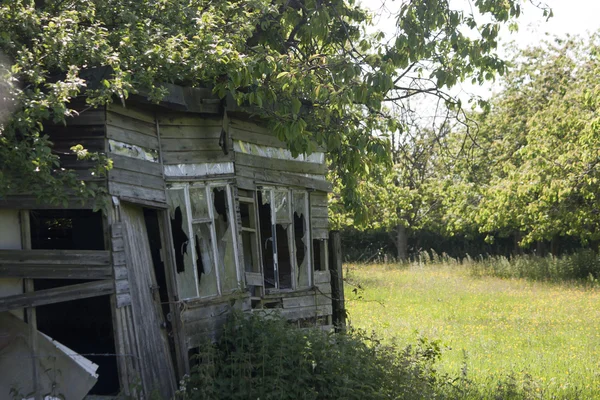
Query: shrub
pixel 266 358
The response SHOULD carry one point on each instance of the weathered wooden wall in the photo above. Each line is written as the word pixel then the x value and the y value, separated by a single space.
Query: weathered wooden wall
pixel 87 129
pixel 137 175
pixel 192 139
pixel 156 366
pixel 204 320
pixel 257 168
pixel 318 215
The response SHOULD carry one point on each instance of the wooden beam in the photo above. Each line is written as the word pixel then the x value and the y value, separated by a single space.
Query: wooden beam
pixel 57 295
pixel 45 271
pixel 55 257
pixel 337 281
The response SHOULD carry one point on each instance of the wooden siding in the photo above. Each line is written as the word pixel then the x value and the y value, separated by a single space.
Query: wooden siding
pixel 155 366
pixel 55 264
pixel 318 215
pixel 204 320
pixel 135 179
pixel 192 139
pixel 57 295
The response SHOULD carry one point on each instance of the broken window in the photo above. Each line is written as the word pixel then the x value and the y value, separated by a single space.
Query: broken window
pixel 85 326
pixel 184 251
pixel 250 246
pixel 203 239
pixel 301 239
pixel 284 232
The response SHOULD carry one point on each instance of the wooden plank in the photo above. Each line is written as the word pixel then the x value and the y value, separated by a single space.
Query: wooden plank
pixel 54 271
pixel 238 124
pixel 256 138
pixel 143 139
pixel 61 132
pixel 136 178
pixel 319 212
pixel 123 300
pixel 280 165
pixel 321 233
pixel 29 202
pixel 156 366
pixel 64 145
pixel 57 295
pixel 119 258
pixel 117 244
pixel 205 312
pixel 196 157
pixel 337 281
pixel 121 286
pixel 277 177
pixel 190 132
pixel 306 312
pixel 88 117
pixel 322 277
pixel 320 223
pixel 121 272
pixel 132 113
pixel 136 192
pixel 55 257
pixel 133 164
pixel 306 301
pixel 186 119
pixel 254 279
pixel 185 144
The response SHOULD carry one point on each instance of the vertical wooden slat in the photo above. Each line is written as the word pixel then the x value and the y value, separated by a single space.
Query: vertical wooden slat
pixel 183 365
pixel 337 282
pixel 30 311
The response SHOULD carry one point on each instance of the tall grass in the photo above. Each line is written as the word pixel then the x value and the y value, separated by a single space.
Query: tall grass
pixel 581 266
pixel 531 336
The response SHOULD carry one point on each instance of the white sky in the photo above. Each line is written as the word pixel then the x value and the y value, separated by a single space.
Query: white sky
pixel 574 17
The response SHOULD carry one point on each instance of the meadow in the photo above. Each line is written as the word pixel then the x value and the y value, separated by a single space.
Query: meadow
pixel 540 337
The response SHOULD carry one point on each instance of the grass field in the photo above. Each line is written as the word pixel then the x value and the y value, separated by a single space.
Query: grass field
pixel 546 335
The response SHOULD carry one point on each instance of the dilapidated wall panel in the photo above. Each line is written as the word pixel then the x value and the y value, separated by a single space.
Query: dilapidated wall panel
pixel 202 320
pixel 192 139
pixel 319 216
pixel 133 145
pixel 10 239
pixel 155 360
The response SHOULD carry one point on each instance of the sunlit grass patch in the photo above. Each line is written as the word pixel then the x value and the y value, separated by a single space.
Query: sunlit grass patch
pixel 490 327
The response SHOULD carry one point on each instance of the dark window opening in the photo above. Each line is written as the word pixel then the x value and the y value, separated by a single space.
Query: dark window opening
pixel 299 233
pixel 180 240
pixel 266 242
pixel 284 263
pixel 154 239
pixel 84 326
pixel 317 255
pixel 66 230
pixel 220 203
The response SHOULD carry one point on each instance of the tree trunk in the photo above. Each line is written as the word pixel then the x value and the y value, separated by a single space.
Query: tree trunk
pixel 402 243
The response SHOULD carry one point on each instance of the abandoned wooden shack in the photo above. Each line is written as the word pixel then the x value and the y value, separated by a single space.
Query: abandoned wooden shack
pixel 208 212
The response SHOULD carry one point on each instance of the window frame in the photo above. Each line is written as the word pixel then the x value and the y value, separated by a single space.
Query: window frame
pixel 210 221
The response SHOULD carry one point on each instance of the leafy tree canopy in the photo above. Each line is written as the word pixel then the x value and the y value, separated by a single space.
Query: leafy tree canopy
pixel 536 167
pixel 307 65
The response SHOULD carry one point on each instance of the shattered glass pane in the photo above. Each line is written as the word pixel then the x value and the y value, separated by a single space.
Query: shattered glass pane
pixel 266 237
pixel 281 206
pixel 207 276
pixel 199 203
pixel 301 239
pixel 250 252
pixel 184 264
pixel 224 233
pixel 284 260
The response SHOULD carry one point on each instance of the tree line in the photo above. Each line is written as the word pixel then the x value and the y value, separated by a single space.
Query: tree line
pixel 520 174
